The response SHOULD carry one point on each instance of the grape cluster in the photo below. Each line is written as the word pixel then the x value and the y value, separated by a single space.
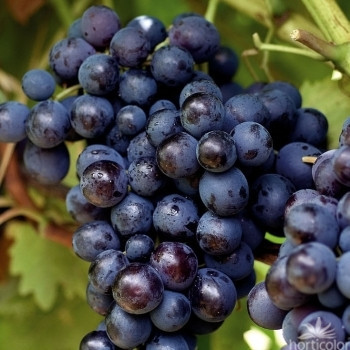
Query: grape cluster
pixel 306 290
pixel 183 173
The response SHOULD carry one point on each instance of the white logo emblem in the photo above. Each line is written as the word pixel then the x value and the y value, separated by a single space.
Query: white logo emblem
pixel 317 331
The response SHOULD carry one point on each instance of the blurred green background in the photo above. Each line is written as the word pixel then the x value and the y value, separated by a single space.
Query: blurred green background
pixel 42 283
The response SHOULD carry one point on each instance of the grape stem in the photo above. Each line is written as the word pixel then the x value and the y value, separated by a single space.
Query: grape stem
pixel 211 10
pixel 67 92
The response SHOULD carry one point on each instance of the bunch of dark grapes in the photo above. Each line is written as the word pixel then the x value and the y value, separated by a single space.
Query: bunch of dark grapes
pixel 183 173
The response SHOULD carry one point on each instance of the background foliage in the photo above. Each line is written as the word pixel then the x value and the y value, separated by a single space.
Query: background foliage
pixel 42 283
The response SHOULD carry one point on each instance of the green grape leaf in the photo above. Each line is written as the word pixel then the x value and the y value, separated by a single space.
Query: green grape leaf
pixel 25 326
pixel 326 96
pixel 43 266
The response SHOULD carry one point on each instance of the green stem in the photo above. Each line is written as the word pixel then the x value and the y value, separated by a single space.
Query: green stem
pixel 285 49
pixel 330 19
pixel 64 12
pixel 211 10
pixel 67 92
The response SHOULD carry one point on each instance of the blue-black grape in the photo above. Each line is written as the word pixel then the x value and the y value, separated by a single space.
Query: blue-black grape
pixel 176 217
pixel 130 47
pixel 66 56
pixel 176 263
pixel 13 117
pixel 342 276
pixel 99 74
pixel 253 143
pixel 225 193
pixel 96 340
pixel 201 113
pixel 139 247
pixel 311 267
pixel 99 302
pixel 196 34
pixel 262 310
pixel 131 120
pixel 218 235
pixel 38 84
pixel 176 155
pixel 48 124
pixel 47 166
pixel 126 330
pixel 145 178
pixel 91 116
pixel 152 28
pixel 103 270
pixel 212 295
pixel 104 183
pixel 172 313
pixel 165 341
pixel 138 288
pixel 98 24
pixel 132 215
pixel 94 237
pixel 216 151
pixel 172 65
pixel 140 147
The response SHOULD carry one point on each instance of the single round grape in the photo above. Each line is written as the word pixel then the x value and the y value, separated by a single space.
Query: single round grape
pixel 99 74
pixel 48 124
pixel 176 263
pixel 130 47
pixel 268 196
pixel 201 113
pixel 343 211
pixel 172 313
pixel 66 56
pixel 344 239
pixel 152 28
pixel 38 84
pixel 98 24
pixel 280 291
pixel 288 88
pixel 332 298
pixel 74 30
pixel 245 107
pixel 104 269
pixel 164 341
pixel 96 340
pixel 138 288
pixel 117 140
pixel 311 267
pixel 132 215
pixel 96 152
pixel 196 34
pixel 344 136
pixel 262 310
pixel 126 330
pixel 225 193
pixel 253 143
pixel 104 183
pixel 139 247
pixel 131 120
pixel 137 86
pixel 140 147
pixel 98 301
pixel 212 295
pixel 300 196
pixel 311 222
pixel 205 86
pixel 13 117
pixel 223 65
pixel 218 235
pixel 47 166
pixel 176 155
pixel 176 216
pixel 236 265
pixel 162 124
pixel 229 90
pixel 216 151
pixel 341 164
pixel 161 104
pixel 93 238
pixel 145 178
pixel 91 116
pixel 289 163
pixel 172 65
pixel 80 209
